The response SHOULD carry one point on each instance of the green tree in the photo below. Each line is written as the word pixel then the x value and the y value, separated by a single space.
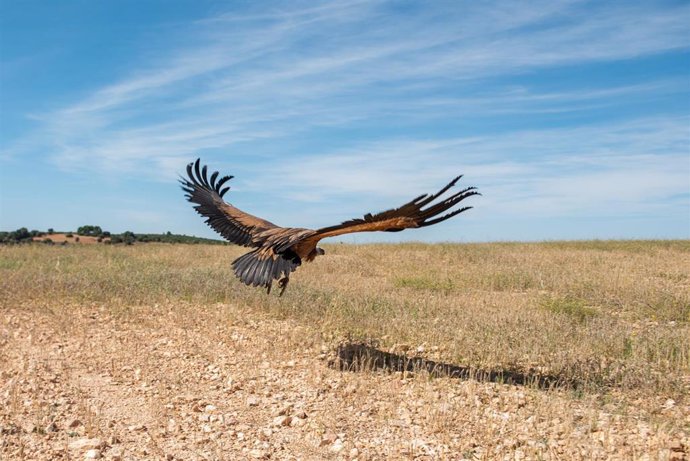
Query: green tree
pixel 129 237
pixel 20 234
pixel 90 230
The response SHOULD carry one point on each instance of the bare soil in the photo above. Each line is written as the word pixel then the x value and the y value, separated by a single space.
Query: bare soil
pixel 78 239
pixel 160 382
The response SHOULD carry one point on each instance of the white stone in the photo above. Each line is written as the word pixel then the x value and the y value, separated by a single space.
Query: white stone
pixel 84 444
pixel 336 447
pixel 93 454
pixel 282 421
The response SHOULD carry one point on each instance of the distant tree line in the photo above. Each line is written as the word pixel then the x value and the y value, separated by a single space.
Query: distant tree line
pixel 19 236
pixel 128 238
pixel 23 235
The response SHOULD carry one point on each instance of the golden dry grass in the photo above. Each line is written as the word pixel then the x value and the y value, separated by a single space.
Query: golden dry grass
pixel 609 320
pixel 600 313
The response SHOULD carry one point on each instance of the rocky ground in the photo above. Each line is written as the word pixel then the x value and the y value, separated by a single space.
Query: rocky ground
pixel 220 382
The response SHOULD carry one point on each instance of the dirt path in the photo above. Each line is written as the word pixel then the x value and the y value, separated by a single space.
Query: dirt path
pixel 192 383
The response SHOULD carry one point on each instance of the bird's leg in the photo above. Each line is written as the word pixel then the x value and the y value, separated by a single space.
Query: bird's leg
pixel 283 283
pixel 268 288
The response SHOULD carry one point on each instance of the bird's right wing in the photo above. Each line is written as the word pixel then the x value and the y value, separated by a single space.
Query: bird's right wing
pixel 420 212
pixel 232 223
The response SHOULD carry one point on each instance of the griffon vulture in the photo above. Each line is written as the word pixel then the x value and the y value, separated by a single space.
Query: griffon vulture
pixel 277 251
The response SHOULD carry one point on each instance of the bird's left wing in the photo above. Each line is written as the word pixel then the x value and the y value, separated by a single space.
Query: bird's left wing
pixel 420 212
pixel 232 223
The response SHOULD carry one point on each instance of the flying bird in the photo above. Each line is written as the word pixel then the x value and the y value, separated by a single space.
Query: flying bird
pixel 278 251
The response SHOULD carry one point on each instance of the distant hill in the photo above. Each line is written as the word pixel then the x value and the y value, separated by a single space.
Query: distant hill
pixel 86 235
pixel 130 237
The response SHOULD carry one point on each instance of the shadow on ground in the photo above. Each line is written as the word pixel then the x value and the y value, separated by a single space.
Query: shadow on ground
pixel 358 357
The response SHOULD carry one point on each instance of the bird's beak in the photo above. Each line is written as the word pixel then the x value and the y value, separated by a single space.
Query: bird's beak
pixel 320 252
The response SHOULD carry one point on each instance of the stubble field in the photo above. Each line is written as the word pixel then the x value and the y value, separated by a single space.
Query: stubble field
pixel 560 350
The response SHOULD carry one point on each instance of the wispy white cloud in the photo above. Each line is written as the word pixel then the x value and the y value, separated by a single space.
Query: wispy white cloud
pixel 281 71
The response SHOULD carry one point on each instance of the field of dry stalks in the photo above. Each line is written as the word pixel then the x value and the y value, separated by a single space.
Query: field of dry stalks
pixel 577 350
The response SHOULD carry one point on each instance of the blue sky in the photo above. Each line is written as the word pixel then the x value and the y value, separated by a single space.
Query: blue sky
pixel 572 117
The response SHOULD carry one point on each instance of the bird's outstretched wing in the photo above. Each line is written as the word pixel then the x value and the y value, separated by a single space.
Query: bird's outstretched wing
pixel 207 193
pixel 420 212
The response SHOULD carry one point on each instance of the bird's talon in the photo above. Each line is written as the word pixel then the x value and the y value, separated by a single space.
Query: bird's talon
pixel 283 283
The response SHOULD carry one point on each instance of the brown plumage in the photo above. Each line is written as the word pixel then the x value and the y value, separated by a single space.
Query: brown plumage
pixel 280 250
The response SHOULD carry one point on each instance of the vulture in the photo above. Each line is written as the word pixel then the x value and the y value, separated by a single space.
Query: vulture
pixel 278 251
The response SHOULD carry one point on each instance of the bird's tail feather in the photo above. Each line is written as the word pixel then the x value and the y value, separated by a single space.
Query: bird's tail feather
pixel 255 269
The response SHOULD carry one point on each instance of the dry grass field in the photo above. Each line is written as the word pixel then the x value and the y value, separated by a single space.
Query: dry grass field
pixel 552 351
